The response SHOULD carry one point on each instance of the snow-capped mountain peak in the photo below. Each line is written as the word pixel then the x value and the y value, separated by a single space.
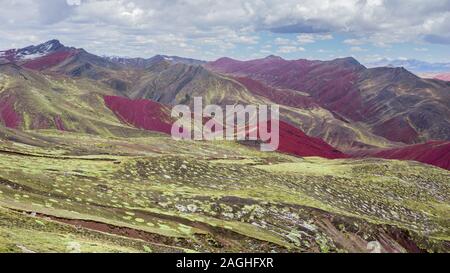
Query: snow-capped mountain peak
pixel 32 52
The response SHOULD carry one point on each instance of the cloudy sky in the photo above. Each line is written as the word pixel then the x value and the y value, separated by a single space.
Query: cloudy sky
pixel 244 29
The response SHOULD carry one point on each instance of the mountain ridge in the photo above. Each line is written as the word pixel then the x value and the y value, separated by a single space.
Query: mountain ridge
pixel 340 101
pixel 413 65
pixel 358 93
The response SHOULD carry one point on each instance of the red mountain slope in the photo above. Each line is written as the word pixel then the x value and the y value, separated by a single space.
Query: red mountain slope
pixel 329 83
pixel 435 153
pixel 49 60
pixel 380 98
pixel 40 57
pixel 443 76
pixel 150 115
pixel 143 114
pixel 8 116
pixel 280 96
pixel 294 141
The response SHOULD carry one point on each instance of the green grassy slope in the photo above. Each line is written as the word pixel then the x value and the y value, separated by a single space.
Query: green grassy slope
pixel 213 197
pixel 57 102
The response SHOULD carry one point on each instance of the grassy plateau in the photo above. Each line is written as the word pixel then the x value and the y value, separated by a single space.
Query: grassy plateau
pixel 149 193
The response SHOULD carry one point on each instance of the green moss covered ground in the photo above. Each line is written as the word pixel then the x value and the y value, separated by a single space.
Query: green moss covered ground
pixel 153 194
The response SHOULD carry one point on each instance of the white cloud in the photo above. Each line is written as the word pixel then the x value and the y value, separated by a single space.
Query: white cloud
pixel 354 42
pixel 223 25
pixel 73 2
pixel 289 49
pixel 312 38
pixel 357 49
pixel 282 41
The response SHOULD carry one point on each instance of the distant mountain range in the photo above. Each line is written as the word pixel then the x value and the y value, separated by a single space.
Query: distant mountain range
pixel 382 98
pixel 142 63
pixel 50 49
pixel 333 109
pixel 442 76
pixel 412 65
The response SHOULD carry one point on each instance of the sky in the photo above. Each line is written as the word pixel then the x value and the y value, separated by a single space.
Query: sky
pixel 368 30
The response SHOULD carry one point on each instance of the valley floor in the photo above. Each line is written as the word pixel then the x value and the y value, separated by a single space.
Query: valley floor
pixel 152 194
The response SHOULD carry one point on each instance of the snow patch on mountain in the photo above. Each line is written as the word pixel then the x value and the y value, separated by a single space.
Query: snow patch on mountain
pixel 32 52
pixel 31 56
